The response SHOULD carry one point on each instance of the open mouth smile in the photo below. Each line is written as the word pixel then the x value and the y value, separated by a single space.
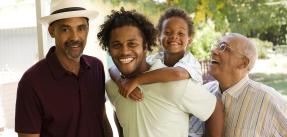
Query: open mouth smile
pixel 126 60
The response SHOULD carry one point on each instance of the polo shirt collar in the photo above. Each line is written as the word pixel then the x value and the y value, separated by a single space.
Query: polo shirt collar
pixel 55 66
pixel 235 91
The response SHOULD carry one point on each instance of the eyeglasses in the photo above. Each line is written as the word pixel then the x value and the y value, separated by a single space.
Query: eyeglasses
pixel 223 46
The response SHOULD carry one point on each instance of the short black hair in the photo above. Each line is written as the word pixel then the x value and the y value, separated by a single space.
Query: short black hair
pixel 127 18
pixel 176 12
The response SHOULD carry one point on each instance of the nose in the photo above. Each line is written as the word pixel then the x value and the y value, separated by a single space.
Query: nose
pixel 124 49
pixel 74 35
pixel 215 51
pixel 173 36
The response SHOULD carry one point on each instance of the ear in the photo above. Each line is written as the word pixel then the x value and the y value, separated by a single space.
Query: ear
pixel 189 40
pixel 244 63
pixel 145 47
pixel 51 30
pixel 109 51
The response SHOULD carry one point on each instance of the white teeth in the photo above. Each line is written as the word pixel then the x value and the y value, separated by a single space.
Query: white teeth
pixel 213 61
pixel 75 46
pixel 173 43
pixel 126 60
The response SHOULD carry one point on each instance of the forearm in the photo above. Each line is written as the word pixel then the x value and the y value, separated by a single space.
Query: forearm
pixel 215 124
pixel 163 75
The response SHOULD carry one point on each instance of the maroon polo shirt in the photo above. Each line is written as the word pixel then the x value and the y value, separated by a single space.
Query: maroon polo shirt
pixel 56 103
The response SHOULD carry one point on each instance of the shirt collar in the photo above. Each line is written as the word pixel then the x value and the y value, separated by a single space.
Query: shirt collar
pixel 55 66
pixel 235 91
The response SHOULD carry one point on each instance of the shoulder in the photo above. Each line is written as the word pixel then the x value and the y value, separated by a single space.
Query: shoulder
pixel 110 82
pixel 156 64
pixel 92 60
pixel 186 85
pixel 189 58
pixel 152 58
pixel 31 77
pixel 188 55
pixel 111 85
pixel 40 67
pixel 270 94
pixel 112 89
pixel 261 88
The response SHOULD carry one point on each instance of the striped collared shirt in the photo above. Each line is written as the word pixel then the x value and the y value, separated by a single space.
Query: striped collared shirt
pixel 252 110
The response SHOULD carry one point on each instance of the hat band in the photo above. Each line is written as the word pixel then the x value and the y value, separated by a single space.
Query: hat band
pixel 67 10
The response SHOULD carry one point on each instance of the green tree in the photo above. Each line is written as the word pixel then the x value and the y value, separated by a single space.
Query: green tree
pixel 249 17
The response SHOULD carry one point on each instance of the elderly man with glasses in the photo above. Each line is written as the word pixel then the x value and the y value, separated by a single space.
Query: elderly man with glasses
pixel 251 108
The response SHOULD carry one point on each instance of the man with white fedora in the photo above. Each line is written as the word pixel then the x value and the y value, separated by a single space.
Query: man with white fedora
pixel 63 95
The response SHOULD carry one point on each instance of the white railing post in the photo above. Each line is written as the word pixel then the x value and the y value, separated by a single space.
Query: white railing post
pixel 41 29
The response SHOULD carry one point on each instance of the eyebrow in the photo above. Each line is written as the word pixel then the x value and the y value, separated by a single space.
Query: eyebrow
pixel 131 40
pixel 183 28
pixel 65 25
pixel 117 41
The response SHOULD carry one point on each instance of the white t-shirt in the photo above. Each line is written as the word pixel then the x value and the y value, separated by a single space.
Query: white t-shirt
pixel 165 109
pixel 188 62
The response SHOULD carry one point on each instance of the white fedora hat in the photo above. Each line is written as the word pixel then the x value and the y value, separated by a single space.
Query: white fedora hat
pixel 61 9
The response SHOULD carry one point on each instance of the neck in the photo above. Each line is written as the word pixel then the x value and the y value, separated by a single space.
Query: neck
pixel 228 82
pixel 71 65
pixel 141 69
pixel 171 59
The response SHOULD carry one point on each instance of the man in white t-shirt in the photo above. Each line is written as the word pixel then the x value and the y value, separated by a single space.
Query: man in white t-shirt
pixel 164 112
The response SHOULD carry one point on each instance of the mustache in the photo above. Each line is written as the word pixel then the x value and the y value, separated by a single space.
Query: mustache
pixel 73 43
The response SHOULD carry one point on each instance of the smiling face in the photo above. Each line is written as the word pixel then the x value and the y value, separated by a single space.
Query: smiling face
pixel 174 36
pixel 70 36
pixel 229 64
pixel 127 50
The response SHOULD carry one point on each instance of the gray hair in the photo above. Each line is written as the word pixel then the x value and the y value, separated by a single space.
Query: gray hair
pixel 248 48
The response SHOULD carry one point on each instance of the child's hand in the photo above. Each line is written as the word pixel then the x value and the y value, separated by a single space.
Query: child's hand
pixel 127 86
pixel 136 95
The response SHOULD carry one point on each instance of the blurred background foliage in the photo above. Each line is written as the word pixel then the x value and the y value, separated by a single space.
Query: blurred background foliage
pixel 263 20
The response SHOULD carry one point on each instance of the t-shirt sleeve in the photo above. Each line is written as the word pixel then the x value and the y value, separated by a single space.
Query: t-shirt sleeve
pixel 190 64
pixel 197 101
pixel 28 115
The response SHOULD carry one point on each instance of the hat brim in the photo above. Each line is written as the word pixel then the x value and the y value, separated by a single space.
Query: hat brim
pixel 80 13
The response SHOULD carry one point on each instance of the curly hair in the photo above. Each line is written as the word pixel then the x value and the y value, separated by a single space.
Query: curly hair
pixel 127 18
pixel 176 12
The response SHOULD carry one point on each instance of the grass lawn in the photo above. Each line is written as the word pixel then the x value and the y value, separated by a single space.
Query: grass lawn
pixel 275 80
pixel 272 72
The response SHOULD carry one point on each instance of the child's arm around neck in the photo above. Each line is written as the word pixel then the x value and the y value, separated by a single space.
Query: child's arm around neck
pixel 165 74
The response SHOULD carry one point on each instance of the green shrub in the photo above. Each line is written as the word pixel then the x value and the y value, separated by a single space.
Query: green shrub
pixel 263 47
pixel 203 39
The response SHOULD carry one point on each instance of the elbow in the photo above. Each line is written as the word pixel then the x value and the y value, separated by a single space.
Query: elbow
pixel 179 74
